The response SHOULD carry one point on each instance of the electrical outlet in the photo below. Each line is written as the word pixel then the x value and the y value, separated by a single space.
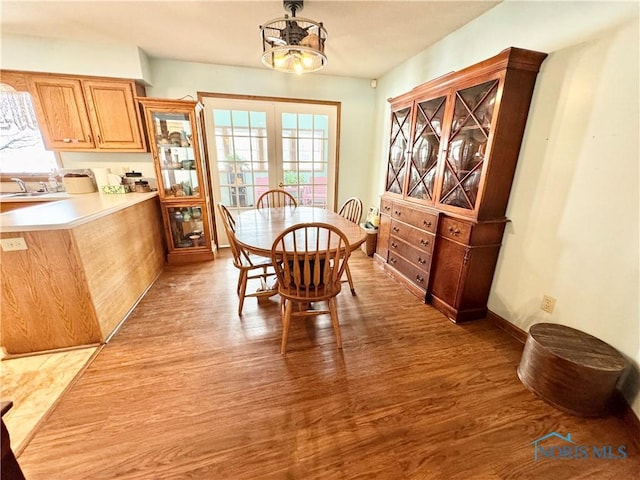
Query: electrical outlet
pixel 10 244
pixel 548 304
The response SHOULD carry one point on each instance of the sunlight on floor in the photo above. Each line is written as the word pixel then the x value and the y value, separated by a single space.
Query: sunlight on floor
pixel 34 384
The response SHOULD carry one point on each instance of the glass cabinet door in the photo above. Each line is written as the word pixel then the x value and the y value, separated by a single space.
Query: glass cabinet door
pixel 399 140
pixel 467 144
pixel 187 226
pixel 176 154
pixel 426 148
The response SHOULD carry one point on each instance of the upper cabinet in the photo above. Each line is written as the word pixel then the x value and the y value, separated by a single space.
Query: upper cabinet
pixel 87 113
pixel 454 141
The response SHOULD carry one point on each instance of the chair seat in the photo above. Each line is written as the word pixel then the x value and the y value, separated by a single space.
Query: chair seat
pixel 310 294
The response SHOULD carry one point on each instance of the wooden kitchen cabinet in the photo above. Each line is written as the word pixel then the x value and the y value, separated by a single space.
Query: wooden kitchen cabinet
pixel 453 149
pixel 87 113
pixel 174 130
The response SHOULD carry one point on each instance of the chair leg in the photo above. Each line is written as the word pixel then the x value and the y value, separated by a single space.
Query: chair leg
pixel 333 311
pixel 243 289
pixel 286 320
pixel 348 272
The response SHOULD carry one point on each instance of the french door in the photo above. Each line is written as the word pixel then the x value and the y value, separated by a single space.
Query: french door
pixel 258 145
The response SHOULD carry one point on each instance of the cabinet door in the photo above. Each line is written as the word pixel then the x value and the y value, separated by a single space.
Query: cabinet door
pixel 425 148
pixel 398 143
pixel 115 120
pixel 466 152
pixel 63 118
pixel 176 149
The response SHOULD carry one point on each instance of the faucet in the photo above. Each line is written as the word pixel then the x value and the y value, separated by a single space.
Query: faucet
pixel 20 182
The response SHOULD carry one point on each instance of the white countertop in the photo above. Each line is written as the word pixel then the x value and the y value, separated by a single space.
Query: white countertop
pixel 63 211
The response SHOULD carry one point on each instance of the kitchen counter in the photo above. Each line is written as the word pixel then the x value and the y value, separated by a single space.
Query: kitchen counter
pixel 55 211
pixel 85 262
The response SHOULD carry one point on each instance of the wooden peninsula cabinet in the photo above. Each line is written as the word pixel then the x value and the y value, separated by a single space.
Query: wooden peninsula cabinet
pixel 453 148
pixel 177 144
pixel 87 113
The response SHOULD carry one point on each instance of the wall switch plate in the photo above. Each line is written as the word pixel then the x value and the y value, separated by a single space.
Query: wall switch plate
pixel 10 244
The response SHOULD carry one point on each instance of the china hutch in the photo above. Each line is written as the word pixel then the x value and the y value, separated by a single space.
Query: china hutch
pixel 453 148
pixel 174 130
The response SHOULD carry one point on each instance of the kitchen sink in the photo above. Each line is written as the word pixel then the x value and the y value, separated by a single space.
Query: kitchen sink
pixel 28 194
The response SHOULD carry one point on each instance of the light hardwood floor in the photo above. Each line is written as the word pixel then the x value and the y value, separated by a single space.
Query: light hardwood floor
pixel 187 389
pixel 34 384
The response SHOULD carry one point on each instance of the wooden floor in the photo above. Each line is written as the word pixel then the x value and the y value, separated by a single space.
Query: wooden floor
pixel 186 389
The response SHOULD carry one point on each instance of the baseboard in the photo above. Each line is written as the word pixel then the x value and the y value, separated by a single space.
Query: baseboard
pixel 506 326
pixel 624 412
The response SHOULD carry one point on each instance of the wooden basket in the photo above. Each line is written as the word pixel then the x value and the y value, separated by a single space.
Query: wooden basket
pixel 78 184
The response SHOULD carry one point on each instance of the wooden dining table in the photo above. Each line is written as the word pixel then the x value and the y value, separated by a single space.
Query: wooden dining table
pixel 257 229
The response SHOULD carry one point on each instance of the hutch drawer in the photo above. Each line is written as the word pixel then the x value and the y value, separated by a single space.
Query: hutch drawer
pixel 415 217
pixel 416 256
pixel 417 276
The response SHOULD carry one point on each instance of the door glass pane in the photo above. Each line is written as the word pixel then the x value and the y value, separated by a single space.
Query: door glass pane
pixel 399 139
pixel 473 113
pixel 241 150
pixel 426 147
pixel 305 147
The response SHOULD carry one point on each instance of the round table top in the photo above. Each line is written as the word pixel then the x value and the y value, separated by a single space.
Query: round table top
pixel 257 229
pixel 577 346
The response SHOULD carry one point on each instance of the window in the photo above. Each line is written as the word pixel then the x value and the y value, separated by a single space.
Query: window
pixel 21 146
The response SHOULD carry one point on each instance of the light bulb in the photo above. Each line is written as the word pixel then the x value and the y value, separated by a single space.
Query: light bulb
pixel 297 66
pixel 280 61
pixel 307 60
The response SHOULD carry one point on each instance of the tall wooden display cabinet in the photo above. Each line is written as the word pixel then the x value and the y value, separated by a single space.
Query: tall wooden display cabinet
pixel 454 145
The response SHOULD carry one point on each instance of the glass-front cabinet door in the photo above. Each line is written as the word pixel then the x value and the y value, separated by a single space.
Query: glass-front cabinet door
pixel 425 148
pixel 174 141
pixel 466 150
pixel 187 225
pixel 398 145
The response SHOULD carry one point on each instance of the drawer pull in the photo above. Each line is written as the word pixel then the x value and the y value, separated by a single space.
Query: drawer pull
pixel 392 260
pixel 424 242
pixel 421 261
pixel 387 208
pixel 419 279
pixel 394 245
pixel 396 229
pixel 454 231
pixel 426 223
pixel 397 212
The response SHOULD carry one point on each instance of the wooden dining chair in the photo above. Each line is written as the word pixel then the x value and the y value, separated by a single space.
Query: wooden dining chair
pixel 351 209
pixel 246 263
pixel 309 260
pixel 276 198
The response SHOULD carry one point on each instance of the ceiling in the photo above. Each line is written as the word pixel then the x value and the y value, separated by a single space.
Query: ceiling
pixel 365 38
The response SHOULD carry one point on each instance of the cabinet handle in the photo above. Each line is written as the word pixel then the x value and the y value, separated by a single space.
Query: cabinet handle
pixel 454 231
pixel 394 245
pixel 426 223
pixel 398 213
pixel 99 139
pixel 387 208
pixel 392 260
pixel 421 261
pixel 423 242
pixel 89 139
pixel 396 229
pixel 419 279
pixel 66 140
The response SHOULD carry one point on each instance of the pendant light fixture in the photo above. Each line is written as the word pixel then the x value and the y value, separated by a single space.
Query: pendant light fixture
pixel 293 44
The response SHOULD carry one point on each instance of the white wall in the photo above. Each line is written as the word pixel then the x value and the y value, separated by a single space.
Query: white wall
pixel 37 54
pixel 574 206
